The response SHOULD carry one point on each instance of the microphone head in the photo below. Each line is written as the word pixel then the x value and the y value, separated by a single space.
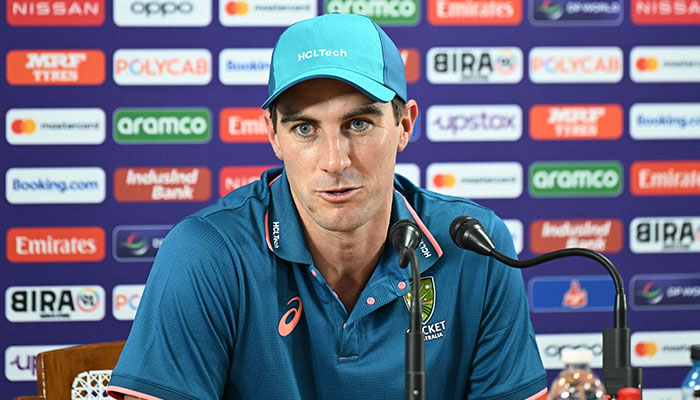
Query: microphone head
pixel 468 234
pixel 405 234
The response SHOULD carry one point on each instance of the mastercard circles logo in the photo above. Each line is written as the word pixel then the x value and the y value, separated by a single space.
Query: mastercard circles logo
pixel 646 349
pixel 650 64
pixel 444 180
pixel 26 126
pixel 237 8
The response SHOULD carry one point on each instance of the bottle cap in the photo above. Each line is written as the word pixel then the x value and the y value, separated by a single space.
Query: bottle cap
pixel 576 356
pixel 629 394
pixel 695 352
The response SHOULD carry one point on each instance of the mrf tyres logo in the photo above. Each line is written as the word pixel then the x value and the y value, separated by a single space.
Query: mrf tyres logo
pixel 665 235
pixel 162 184
pixel 474 65
pixel 435 330
pixel 162 125
pixel 383 12
pixel 54 303
pixel 576 12
pixel 581 179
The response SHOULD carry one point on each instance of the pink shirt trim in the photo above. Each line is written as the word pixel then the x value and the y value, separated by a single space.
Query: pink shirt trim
pixel 422 226
pixel 539 394
pixel 116 392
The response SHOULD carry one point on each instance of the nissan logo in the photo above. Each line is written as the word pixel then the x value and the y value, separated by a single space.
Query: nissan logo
pixel 554 350
pixel 161 8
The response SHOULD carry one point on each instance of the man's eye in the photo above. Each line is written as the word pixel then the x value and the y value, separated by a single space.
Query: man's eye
pixel 359 125
pixel 303 129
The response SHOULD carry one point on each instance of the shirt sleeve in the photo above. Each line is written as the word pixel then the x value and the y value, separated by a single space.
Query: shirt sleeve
pixel 506 364
pixel 182 337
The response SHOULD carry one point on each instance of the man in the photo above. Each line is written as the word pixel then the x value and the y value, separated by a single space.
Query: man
pixel 287 288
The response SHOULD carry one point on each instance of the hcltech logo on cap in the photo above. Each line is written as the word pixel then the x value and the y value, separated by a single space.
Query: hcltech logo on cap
pixel 348 47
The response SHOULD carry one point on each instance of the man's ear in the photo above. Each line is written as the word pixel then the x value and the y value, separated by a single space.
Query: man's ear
pixel 407 123
pixel 271 135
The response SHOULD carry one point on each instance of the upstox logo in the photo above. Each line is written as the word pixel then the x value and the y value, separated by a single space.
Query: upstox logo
pixel 383 12
pixel 172 125
pixel 584 179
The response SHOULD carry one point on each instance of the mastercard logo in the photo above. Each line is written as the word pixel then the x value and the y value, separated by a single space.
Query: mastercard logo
pixel 237 8
pixel 26 126
pixel 646 349
pixel 647 64
pixel 444 180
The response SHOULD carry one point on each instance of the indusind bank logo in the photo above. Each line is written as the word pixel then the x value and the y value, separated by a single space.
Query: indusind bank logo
pixel 162 67
pixel 55 67
pixel 55 12
pixel 144 184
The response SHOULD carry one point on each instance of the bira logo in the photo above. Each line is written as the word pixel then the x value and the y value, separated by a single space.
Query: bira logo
pixel 576 64
pixel 162 125
pixel 665 235
pixel 243 125
pixel 231 178
pixel 576 122
pixel 665 178
pixel 475 12
pixel 55 12
pixel 665 12
pixel 584 179
pixel 383 12
pixel 162 184
pixel 54 303
pixel 474 65
pixel 604 235
pixel 65 244
pixel 427 301
pixel 55 67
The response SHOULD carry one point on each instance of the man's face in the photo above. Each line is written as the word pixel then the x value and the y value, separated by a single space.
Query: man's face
pixel 339 150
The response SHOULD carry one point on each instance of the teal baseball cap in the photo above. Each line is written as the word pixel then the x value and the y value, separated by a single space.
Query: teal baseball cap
pixel 348 47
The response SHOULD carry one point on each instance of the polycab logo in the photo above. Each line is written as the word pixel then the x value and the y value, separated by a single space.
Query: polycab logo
pixel 231 178
pixel 162 125
pixel 37 126
pixel 650 121
pixel 662 348
pixel 576 12
pixel 475 12
pixel 576 64
pixel 162 67
pixel 125 301
pixel 55 67
pixel 474 65
pixel 64 244
pixel 551 346
pixel 138 243
pixel 665 235
pixel 515 226
pixel 383 12
pixel 604 235
pixel 411 63
pixel 243 125
pixel 576 122
pixel 492 180
pixel 54 303
pixel 665 178
pixel 583 179
pixel 665 63
pixel 265 12
pixel 571 293
pixel 462 123
pixel 162 184
pixel 55 12
pixel 20 361
pixel 162 12
pixel 665 12
pixel 244 66
pixel 668 291
pixel 409 171
pixel 77 185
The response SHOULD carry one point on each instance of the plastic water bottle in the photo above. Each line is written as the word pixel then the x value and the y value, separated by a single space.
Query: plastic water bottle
pixel 691 384
pixel 576 381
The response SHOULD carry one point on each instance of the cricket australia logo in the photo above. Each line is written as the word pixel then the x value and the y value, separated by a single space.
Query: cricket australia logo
pixel 427 301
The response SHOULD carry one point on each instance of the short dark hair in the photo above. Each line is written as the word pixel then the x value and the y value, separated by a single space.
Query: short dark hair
pixel 397 107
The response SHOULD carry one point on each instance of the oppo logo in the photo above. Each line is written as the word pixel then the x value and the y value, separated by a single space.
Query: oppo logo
pixel 161 8
pixel 554 350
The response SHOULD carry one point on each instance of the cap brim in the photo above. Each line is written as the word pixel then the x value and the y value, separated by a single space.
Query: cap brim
pixel 368 86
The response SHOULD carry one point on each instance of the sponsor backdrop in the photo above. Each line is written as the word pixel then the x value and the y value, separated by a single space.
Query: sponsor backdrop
pixel 578 121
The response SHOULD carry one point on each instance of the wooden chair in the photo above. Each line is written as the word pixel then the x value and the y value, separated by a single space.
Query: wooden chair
pixel 78 372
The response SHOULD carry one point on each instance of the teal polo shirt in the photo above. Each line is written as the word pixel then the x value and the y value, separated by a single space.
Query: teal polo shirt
pixel 234 308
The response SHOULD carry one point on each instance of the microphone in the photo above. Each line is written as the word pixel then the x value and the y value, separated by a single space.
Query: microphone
pixel 469 234
pixel 405 237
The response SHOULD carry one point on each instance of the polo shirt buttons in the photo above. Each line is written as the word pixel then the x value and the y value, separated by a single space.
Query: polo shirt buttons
pixel 370 301
pixel 402 285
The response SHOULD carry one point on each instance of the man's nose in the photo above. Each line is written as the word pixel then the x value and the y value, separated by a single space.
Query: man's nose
pixel 336 155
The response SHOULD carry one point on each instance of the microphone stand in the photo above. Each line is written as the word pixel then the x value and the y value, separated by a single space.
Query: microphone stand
pixel 415 344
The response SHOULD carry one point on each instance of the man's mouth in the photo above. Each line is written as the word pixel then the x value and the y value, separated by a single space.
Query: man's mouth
pixel 339 194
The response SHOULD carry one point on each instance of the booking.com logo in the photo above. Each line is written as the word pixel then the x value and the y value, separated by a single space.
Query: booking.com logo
pixel 649 64
pixel 646 349
pixel 26 126
pixel 444 181
pixel 237 8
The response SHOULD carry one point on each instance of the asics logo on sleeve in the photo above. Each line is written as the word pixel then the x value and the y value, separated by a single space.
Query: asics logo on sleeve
pixel 285 328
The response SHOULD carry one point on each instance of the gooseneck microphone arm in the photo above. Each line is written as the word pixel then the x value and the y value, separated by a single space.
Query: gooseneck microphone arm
pixel 469 234
pixel 405 237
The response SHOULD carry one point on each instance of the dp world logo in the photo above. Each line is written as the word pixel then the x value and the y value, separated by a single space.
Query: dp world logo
pixel 138 243
pixel 650 293
pixel 576 12
pixel 427 298
pixel 549 9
